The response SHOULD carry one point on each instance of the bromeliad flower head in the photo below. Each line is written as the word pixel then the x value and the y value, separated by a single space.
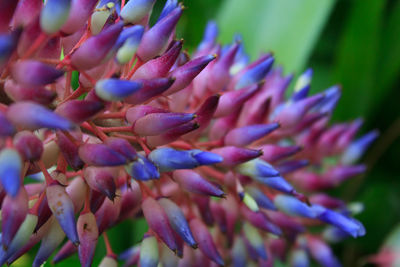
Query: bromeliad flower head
pixel 224 168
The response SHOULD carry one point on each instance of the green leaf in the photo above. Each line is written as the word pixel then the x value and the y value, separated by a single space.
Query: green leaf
pixel 289 28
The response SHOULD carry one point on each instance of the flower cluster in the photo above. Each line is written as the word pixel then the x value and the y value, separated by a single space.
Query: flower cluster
pixel 206 147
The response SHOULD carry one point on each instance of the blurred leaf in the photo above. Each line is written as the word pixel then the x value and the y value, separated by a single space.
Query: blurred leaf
pixel 289 28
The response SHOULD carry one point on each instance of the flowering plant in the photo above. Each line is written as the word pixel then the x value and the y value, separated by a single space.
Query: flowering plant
pixel 225 169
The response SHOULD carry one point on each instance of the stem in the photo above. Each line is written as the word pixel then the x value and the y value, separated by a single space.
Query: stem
pixel 35 209
pixel 110 252
pixel 145 148
pixel 99 132
pixel 213 172
pixel 67 89
pixel 134 69
pixel 40 40
pixel 46 174
pixel 61 164
pixel 145 190
pixel 90 78
pixel 116 129
pixel 86 208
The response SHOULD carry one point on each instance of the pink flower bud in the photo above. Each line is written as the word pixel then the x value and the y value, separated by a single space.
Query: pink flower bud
pixel 78 16
pixel 7 8
pixel 100 155
pixel 36 94
pixel 273 153
pixel 122 146
pixel 65 251
pixel 28 145
pixel 69 150
pixel 26 12
pixel 150 89
pixel 77 191
pixel 34 73
pixel 135 113
pixel 88 235
pixel 130 201
pixel 79 111
pixel 236 155
pixel 260 220
pixel 172 134
pixel 101 180
pixel 191 181
pixel 107 214
pixel 248 134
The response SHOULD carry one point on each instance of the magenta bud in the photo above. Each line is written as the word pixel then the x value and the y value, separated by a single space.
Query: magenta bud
pixel 62 208
pixel 79 111
pixel 233 100
pixel 158 123
pixel 248 134
pixel 44 213
pixel 222 126
pixel 34 73
pixel 219 216
pixel 291 165
pixel 203 204
pixel 24 93
pixel 219 76
pixel 88 234
pixel 191 181
pixel 172 134
pixel 130 201
pixel 122 146
pixel 13 213
pixel 261 221
pixel 7 8
pixel 158 222
pixel 28 145
pixel 135 113
pixel 187 72
pixel 100 155
pixel 92 52
pixel 339 174
pixel 107 214
pixel 205 241
pixel 69 150
pixel 32 116
pixel 96 200
pixel 160 66
pixel 273 152
pixel 236 155
pixel 321 252
pixel 66 251
pixel 78 16
pixel 150 89
pixel 10 171
pixel 26 12
pixel 101 180
pixel 6 128
pixel 155 39
pixel 54 14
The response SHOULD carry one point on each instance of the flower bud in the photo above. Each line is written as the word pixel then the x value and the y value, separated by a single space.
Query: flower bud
pixel 149 256
pixel 273 153
pixel 62 208
pixel 158 222
pixel 261 221
pixel 205 241
pixel 92 52
pixel 294 207
pixel 150 89
pixel 261 199
pixel 122 146
pixel 10 171
pixel 155 39
pixel 31 116
pixel 54 14
pixel 34 73
pixel 28 145
pixel 7 8
pixel 134 113
pixel 43 213
pixel 128 43
pixel 79 14
pixel 357 148
pixel 6 128
pixel 231 101
pixel 8 43
pixel 79 111
pixel 168 258
pixel 142 169
pixel 130 201
pixel 158 123
pixel 255 240
pixel 248 134
pixel 191 181
pixel 100 155
pixel 116 89
pixel 107 214
pixel 168 7
pixel 177 221
pixel 134 11
pixel 321 252
pixel 65 251
pixel 291 165
pixel 238 254
pixel 172 134
pixel 88 234
pixel 255 73
pixel 101 180
pixel 236 155
pixel 277 183
pixel 69 150
pixel 257 168
pixel 39 95
pixel 131 255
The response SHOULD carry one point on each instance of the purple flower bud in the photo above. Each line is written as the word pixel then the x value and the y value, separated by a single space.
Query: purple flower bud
pixel 142 169
pixel 257 168
pixel 79 111
pixel 339 174
pixel 44 213
pixel 10 171
pixel 13 213
pixel 122 146
pixel 92 52
pixel 50 241
pixel 26 12
pixel 134 11
pixel 28 145
pixel 232 101
pixel 88 234
pixel 209 38
pixel 34 73
pixel 101 180
pixel 357 148
pixel 261 199
pixel 155 39
pixel 67 250
pixel 186 73
pixel 134 32
pixel 158 123
pixel 321 252
pixel 273 152
pixel 255 240
pixel 149 256
pixel 291 165
pixel 7 8
pixel 54 14
pixel 332 96
pixel 177 221
pixel 69 150
pixel 294 207
pixel 261 221
pixel 32 116
pixel 150 89
pixel 205 241
pixel 62 208
pixel 302 85
pixel 255 73
pixel 168 7
pixel 78 15
pixel 277 183
pixel 107 214
pixel 130 256
pixel 248 134
pixel 100 155
pixel 191 181
pixel 128 43
pixel 130 201
pixel 116 89
pixel 236 155
pixel 172 134
pixel 160 66
pixel 8 43
pixel 134 113
pixel 299 258
pixel 158 222
pixel 39 95
pixel 6 128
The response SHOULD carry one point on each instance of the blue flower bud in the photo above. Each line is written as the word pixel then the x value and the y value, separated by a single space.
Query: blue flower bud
pixel 10 170
pixel 257 168
pixel 142 169
pixel 168 7
pixel 294 207
pixel 116 89
pixel 54 14
pixel 356 149
pixel 256 73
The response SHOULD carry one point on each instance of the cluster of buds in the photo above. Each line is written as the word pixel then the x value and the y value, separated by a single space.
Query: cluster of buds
pixel 225 169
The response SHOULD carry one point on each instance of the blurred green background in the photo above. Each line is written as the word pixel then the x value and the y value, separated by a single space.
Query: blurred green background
pixel 355 43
